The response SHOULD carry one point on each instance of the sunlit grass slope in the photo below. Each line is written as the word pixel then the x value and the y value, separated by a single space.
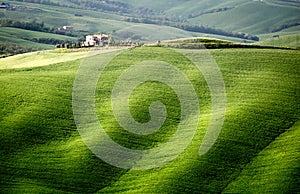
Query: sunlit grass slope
pixel 289 41
pixel 275 168
pixel 40 148
pixel 259 110
pixel 42 152
pixel 50 57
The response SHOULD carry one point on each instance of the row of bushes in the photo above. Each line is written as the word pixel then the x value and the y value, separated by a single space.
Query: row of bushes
pixel 214 46
pixel 34 26
pixel 285 26
pixel 71 45
pixel 51 41
pixel 82 45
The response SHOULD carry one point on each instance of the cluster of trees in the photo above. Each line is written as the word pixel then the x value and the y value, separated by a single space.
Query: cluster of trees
pixel 33 25
pixel 111 43
pixel 70 45
pixel 51 41
pixel 209 30
pixel 8 49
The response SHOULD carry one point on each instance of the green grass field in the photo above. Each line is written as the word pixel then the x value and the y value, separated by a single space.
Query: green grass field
pixel 28 34
pixel 255 17
pixel 24 38
pixel 8 37
pixel 256 152
pixel 289 41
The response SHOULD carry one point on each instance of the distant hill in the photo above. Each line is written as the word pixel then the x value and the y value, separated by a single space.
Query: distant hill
pixel 253 17
pixel 289 41
pixel 149 21
pixel 256 17
pixel 16 41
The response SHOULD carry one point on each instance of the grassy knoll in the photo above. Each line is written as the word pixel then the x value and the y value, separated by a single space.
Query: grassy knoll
pixel 257 114
pixel 42 152
pixel 289 41
pixel 45 58
pixel 274 169
pixel 40 58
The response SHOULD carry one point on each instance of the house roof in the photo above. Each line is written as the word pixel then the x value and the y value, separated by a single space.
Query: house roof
pixel 5 4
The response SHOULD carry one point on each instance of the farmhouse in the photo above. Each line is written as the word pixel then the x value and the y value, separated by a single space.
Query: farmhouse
pixel 68 28
pixel 96 40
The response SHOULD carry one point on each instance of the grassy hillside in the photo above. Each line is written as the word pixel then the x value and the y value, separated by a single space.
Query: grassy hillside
pixel 46 58
pixel 182 7
pixel 92 21
pixel 42 152
pixel 255 17
pixel 29 35
pixel 265 172
pixel 28 38
pixel 148 32
pixel 290 41
pixel 157 5
pixel 56 16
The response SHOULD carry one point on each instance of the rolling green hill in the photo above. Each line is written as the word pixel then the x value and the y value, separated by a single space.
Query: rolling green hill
pixel 289 41
pixel 264 173
pixel 91 21
pixel 257 150
pixel 17 41
pixel 252 17
pixel 255 17
pixel 30 38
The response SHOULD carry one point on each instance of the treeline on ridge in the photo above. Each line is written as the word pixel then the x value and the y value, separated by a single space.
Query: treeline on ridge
pixel 194 28
pixel 285 26
pixel 33 25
